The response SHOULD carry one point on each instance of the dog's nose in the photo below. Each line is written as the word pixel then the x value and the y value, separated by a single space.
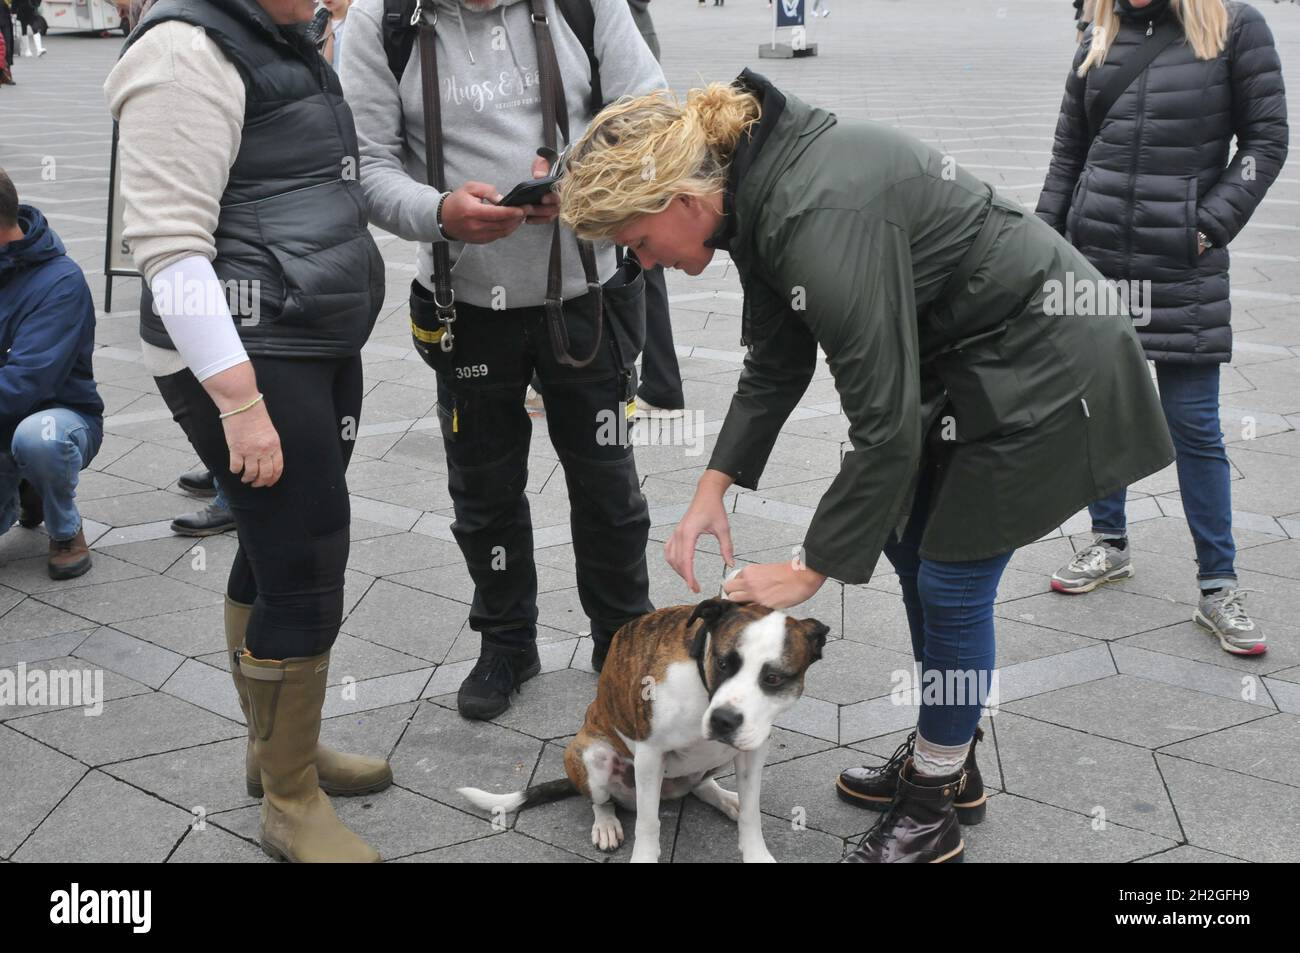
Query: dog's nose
pixel 724 722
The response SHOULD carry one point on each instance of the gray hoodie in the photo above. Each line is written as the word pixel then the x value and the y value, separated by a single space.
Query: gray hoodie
pixel 492 127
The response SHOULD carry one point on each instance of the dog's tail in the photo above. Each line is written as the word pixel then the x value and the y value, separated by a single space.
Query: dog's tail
pixel 542 793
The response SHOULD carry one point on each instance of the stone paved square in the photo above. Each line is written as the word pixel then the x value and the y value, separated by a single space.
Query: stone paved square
pixel 1113 705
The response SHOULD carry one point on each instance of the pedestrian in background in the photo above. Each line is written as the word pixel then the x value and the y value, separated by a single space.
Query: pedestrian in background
pixel 1150 192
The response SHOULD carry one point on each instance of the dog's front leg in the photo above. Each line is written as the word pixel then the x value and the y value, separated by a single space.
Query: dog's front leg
pixel 749 778
pixel 648 764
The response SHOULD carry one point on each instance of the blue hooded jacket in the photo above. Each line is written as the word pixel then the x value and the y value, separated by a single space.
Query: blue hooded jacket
pixel 47 330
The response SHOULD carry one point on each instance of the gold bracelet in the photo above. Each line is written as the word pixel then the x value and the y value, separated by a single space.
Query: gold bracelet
pixel 240 410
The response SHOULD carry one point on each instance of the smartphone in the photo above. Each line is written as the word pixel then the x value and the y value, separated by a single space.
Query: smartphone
pixel 529 193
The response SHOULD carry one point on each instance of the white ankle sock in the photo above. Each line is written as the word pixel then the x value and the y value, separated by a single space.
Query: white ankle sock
pixel 930 760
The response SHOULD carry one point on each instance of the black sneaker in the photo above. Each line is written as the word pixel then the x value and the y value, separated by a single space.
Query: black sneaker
pixel 599 649
pixel 206 522
pixel 496 675
pixel 198 483
pixel 31 508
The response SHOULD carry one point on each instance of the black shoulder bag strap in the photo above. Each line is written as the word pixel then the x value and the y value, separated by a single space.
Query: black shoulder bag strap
pixel 581 17
pixel 444 298
pixel 555 112
pixel 399 29
pixel 1164 35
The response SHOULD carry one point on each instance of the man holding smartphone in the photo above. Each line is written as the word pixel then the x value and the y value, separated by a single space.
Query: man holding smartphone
pixel 491 105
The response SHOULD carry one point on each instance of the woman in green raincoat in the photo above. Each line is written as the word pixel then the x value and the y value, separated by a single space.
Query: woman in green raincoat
pixel 991 377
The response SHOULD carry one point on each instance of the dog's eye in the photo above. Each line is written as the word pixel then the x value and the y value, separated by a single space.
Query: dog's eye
pixel 773 679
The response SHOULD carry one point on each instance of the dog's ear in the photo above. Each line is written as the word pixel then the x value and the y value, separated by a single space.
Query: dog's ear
pixel 815 632
pixel 710 610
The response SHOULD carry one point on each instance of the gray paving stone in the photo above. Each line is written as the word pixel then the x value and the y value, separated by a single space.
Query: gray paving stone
pixel 189 632
pixel 103 820
pixel 128 728
pixel 30 619
pixel 143 661
pixel 39 649
pixel 1019 830
pixel 427 625
pixel 1084 774
pixel 506 847
pixel 209 777
pixel 31 575
pixel 154 554
pixel 88 683
pixel 1263 824
pixel 853 671
pixel 108 603
pixel 551 705
pixel 1187 640
pixel 1262 749
pixel 808 785
pixel 35 780
pixel 704 835
pixel 1187 855
pixel 212 845
pixel 1101 614
pixel 1136 710
pixel 403 552
pixel 1201 676
pixel 441 751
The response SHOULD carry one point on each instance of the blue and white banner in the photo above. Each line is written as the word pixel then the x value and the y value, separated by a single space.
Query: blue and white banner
pixel 789 13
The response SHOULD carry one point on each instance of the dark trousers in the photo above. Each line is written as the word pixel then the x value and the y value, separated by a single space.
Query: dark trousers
pixel 293 536
pixel 486 433
pixel 661 376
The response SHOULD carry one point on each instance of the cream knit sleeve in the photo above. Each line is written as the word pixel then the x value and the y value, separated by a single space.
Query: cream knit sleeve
pixel 179 103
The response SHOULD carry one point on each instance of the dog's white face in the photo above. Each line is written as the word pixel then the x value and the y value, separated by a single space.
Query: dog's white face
pixel 755 663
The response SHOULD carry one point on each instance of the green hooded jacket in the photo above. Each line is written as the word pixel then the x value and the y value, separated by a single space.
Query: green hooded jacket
pixel 953 346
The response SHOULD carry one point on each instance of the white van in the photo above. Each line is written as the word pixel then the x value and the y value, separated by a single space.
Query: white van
pixel 81 16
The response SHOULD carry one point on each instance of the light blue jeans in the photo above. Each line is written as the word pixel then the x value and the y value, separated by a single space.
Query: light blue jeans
pixel 49 449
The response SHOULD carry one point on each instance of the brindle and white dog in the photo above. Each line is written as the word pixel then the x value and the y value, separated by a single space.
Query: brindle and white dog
pixel 684 693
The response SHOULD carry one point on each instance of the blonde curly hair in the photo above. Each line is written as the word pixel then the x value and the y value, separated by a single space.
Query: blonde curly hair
pixel 643 151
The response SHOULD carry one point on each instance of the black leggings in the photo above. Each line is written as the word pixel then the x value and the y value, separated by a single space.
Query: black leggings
pixel 293 536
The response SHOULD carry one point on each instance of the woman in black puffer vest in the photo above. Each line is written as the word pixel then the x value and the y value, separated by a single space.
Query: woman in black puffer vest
pixel 1153 197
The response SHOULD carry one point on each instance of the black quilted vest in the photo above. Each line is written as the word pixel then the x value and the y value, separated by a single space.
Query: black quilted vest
pixel 300 268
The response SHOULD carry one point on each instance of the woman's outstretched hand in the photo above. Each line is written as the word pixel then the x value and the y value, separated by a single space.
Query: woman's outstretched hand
pixel 775 585
pixel 706 514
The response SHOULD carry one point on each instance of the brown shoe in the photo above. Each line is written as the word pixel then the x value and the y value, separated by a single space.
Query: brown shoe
pixel 69 558
pixel 920 826
pixel 341 774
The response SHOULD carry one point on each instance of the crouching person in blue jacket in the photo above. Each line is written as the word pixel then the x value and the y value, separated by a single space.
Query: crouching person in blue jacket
pixel 51 417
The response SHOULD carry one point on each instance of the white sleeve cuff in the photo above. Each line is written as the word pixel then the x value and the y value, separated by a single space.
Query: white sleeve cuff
pixel 191 301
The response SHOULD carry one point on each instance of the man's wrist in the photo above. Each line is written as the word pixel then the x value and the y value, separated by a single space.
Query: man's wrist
pixel 442 230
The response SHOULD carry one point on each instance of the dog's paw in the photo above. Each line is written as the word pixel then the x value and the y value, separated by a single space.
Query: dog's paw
pixel 607 834
pixel 729 803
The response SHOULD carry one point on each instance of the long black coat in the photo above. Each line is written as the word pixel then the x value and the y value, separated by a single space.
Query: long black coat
pixel 1133 199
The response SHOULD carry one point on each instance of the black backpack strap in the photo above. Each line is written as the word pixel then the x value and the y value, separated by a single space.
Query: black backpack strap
pixel 399 34
pixel 1161 37
pixel 581 17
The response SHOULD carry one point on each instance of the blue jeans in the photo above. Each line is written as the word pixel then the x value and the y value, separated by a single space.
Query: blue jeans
pixel 220 501
pixel 950 615
pixel 49 449
pixel 1189 394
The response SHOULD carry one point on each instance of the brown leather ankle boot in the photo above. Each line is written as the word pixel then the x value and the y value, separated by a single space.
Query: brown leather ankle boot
pixel 920 826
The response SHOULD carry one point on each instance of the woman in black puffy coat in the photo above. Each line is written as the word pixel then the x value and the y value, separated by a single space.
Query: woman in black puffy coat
pixel 1154 196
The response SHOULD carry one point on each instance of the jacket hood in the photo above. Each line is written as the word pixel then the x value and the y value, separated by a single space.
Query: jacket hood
pixel 39 243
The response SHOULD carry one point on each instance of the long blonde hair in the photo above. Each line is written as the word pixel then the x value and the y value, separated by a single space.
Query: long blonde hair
pixel 1204 21
pixel 643 151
